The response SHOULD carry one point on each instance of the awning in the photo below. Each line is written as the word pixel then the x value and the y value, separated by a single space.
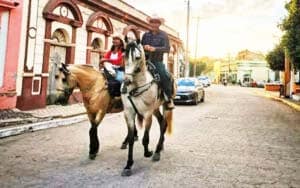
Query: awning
pixel 9 3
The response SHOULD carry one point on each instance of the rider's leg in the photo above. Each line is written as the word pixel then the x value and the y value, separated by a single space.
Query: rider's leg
pixel 109 67
pixel 165 82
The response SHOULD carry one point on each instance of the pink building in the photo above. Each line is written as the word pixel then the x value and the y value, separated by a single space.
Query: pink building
pixel 10 31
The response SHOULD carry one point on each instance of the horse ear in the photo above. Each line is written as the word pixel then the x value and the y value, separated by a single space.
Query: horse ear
pixel 64 69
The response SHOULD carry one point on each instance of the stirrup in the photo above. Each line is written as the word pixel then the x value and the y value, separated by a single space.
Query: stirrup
pixel 170 105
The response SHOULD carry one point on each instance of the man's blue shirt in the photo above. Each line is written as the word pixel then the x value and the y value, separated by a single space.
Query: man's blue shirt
pixel 160 42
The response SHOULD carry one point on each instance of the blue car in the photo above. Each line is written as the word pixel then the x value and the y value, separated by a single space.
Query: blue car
pixel 189 91
pixel 204 80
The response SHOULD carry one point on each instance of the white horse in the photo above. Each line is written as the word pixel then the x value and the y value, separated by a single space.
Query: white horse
pixel 142 98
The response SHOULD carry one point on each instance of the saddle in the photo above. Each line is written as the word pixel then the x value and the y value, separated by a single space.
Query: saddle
pixel 113 87
pixel 112 84
pixel 152 69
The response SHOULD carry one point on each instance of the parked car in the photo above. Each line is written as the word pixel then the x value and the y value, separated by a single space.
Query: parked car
pixel 204 80
pixel 189 90
pixel 260 84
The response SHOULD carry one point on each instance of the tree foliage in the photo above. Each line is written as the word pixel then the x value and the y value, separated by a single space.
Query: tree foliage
pixel 203 66
pixel 275 58
pixel 291 26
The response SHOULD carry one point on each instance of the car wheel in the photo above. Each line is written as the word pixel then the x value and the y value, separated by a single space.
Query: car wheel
pixel 202 99
pixel 195 102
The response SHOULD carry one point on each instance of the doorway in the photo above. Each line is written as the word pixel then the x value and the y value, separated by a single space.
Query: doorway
pixel 57 57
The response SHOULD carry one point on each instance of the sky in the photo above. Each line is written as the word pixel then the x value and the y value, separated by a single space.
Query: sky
pixel 225 27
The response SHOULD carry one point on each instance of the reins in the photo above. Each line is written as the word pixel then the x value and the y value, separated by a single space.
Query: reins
pixel 135 93
pixel 139 90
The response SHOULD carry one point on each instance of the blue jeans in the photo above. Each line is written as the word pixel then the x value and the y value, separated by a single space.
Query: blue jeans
pixel 165 78
pixel 119 75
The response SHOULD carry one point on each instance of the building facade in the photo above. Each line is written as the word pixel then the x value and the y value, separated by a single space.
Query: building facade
pixel 10 32
pixel 247 67
pixel 74 32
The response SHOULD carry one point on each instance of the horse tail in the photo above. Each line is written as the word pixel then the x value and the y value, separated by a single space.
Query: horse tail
pixel 169 121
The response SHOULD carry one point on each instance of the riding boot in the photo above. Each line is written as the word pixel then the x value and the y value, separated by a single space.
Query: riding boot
pixel 170 104
pixel 169 101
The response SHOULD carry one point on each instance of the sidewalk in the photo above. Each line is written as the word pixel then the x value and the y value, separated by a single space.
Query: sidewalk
pixel 295 104
pixel 14 122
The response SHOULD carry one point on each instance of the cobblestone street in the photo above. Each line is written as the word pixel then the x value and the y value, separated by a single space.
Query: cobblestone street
pixel 234 139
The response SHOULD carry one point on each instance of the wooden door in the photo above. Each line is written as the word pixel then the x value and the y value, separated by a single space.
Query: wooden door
pixel 57 56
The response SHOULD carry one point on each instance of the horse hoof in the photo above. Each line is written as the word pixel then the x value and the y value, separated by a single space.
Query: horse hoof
pixel 148 154
pixel 92 156
pixel 136 138
pixel 124 146
pixel 156 157
pixel 126 172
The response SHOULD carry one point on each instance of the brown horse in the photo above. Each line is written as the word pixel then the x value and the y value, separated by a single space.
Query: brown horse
pixel 95 94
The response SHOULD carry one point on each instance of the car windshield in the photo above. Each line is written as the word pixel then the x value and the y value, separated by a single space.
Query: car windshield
pixel 202 78
pixel 186 83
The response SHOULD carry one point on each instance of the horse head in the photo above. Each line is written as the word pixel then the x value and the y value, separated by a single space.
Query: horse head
pixel 64 84
pixel 134 60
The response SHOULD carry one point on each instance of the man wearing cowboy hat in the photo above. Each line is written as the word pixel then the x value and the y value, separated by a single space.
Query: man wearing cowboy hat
pixel 156 43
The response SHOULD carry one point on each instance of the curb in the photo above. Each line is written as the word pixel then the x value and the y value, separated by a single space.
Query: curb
pixel 291 104
pixel 5 132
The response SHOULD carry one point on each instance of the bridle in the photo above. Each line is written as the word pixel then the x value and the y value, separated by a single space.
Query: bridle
pixel 137 67
pixel 138 90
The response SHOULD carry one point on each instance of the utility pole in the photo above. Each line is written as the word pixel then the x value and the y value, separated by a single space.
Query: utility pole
pixel 229 70
pixel 287 75
pixel 196 45
pixel 187 39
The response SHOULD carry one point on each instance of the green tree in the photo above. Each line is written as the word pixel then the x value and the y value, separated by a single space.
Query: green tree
pixel 291 37
pixel 275 58
pixel 201 67
pixel 204 65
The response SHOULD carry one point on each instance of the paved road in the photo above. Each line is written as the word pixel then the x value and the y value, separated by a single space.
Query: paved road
pixel 233 139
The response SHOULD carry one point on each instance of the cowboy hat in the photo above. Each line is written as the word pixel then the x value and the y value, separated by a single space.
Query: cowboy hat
pixel 118 36
pixel 155 18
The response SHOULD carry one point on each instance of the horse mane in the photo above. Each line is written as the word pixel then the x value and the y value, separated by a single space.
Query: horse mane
pixel 85 74
pixel 130 46
pixel 85 67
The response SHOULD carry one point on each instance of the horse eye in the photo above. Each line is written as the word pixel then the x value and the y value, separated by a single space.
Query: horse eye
pixel 64 80
pixel 56 76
